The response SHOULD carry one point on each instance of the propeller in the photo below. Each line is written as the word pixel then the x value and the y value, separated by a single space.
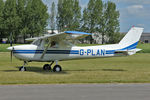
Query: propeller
pixel 11 53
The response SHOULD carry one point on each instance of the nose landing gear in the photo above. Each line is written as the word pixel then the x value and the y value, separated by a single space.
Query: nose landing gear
pixel 23 68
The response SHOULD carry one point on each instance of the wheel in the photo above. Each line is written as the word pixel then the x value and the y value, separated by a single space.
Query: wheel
pixel 57 68
pixel 22 69
pixel 46 67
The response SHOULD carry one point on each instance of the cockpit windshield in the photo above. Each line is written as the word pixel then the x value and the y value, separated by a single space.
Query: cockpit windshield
pixel 45 42
pixel 51 43
pixel 37 42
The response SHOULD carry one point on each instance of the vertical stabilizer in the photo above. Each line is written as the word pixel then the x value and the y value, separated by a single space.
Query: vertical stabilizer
pixel 132 37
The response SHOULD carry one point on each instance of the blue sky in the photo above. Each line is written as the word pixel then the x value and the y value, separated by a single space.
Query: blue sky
pixel 132 12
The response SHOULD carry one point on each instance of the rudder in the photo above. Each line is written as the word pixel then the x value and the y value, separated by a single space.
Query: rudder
pixel 132 37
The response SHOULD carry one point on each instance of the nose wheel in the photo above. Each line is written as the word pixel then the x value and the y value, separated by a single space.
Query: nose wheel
pixel 23 68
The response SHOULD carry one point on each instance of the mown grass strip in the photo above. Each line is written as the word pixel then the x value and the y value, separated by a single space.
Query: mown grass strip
pixel 130 69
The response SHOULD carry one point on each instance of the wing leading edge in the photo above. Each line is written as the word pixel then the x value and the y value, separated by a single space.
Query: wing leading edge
pixel 77 35
pixel 67 35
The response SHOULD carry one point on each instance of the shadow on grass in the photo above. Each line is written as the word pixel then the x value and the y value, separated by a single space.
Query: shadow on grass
pixel 37 70
pixel 119 70
pixel 41 71
pixel 97 70
pixel 84 70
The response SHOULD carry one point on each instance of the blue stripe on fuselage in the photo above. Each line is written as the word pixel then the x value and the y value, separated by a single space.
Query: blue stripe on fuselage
pixel 48 51
pixel 130 47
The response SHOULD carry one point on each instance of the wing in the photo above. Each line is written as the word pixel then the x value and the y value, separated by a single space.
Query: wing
pixel 63 38
pixel 67 35
pixel 50 36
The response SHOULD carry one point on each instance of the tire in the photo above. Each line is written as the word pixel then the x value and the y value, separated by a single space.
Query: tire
pixel 57 68
pixel 22 69
pixel 46 67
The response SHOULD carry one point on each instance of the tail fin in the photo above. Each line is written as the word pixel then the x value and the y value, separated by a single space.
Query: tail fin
pixel 132 38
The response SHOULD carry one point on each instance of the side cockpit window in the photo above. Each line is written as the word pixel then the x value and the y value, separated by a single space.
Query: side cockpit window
pixel 54 44
pixel 50 44
pixel 46 43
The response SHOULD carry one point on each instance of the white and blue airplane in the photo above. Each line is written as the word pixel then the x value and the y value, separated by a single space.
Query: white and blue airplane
pixel 59 47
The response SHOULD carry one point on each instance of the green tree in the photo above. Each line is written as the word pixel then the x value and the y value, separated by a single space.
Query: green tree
pixel 111 22
pixel 59 15
pixel 92 17
pixel 1 18
pixel 75 25
pixel 98 11
pixel 21 7
pixel 52 16
pixel 36 17
pixel 11 19
pixel 84 21
pixel 69 14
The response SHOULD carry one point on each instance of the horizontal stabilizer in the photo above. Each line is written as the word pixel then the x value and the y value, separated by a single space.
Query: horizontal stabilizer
pixel 126 52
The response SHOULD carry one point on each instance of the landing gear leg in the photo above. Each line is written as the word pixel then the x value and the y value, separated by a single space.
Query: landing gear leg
pixel 57 68
pixel 23 68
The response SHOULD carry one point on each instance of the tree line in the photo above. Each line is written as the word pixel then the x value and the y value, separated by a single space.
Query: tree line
pixel 22 17
pixel 98 17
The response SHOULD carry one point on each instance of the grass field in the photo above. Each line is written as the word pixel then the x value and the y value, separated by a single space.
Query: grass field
pixel 130 69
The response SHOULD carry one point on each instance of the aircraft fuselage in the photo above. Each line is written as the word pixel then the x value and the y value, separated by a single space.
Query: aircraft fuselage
pixel 34 53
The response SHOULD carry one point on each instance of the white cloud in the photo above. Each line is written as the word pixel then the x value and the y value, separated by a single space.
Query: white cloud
pixel 134 1
pixel 140 25
pixel 138 11
pixel 136 6
pixel 134 9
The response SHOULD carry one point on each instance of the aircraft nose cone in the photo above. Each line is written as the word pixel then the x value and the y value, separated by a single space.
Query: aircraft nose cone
pixel 10 48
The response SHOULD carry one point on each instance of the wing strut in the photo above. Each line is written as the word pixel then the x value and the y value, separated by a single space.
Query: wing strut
pixel 45 50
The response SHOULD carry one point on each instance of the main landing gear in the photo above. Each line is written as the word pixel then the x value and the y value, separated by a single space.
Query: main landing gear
pixel 56 68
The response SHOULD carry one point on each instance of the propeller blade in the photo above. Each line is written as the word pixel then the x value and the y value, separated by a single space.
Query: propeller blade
pixel 11 54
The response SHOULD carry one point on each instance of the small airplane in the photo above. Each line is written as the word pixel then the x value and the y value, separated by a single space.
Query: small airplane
pixel 60 47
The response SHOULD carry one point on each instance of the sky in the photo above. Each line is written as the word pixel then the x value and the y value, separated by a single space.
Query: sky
pixel 132 12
